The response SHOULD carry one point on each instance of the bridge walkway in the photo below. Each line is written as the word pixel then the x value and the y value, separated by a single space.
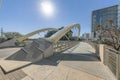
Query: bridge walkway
pixel 77 63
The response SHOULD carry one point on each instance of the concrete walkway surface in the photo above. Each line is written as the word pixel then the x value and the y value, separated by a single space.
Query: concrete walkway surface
pixel 10 65
pixel 5 52
pixel 76 63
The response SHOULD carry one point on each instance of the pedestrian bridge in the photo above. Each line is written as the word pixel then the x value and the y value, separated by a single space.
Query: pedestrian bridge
pixel 52 59
pixel 38 49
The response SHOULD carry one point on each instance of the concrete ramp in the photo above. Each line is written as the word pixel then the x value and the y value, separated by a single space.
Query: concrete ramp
pixel 8 43
pixel 35 51
pixel 40 48
pixel 31 53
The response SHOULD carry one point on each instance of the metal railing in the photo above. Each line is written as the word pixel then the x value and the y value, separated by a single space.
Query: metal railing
pixel 64 45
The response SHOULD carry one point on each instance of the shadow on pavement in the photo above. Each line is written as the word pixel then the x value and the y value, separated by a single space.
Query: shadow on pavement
pixel 55 60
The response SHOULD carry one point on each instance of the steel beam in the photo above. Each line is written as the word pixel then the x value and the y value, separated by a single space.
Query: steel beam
pixel 58 35
pixel 20 39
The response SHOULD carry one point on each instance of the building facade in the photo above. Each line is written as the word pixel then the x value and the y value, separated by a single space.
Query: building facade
pixel 86 36
pixel 102 17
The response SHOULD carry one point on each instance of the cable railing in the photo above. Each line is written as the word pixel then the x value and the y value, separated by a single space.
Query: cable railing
pixel 64 45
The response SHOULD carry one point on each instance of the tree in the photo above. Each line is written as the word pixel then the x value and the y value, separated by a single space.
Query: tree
pixel 11 35
pixel 111 34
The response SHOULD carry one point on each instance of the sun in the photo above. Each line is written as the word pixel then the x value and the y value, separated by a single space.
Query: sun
pixel 47 8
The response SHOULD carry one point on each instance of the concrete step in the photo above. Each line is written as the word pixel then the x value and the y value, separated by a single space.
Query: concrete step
pixel 17 75
pixel 3 76
pixel 10 65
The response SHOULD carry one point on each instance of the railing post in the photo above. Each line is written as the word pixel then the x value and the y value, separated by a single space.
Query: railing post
pixel 118 66
pixel 104 54
pixel 101 52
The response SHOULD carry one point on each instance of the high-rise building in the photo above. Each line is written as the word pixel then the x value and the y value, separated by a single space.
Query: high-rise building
pixel 86 36
pixel 103 16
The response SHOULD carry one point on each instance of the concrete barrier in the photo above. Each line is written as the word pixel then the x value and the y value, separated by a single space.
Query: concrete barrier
pixel 101 52
pixel 118 67
pixel 111 58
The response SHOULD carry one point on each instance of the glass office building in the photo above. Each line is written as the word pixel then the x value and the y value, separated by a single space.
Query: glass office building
pixel 103 16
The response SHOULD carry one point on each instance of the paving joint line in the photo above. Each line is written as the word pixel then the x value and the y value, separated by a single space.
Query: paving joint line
pixel 83 71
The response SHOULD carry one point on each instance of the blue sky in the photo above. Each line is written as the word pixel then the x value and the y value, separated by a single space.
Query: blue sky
pixel 25 16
